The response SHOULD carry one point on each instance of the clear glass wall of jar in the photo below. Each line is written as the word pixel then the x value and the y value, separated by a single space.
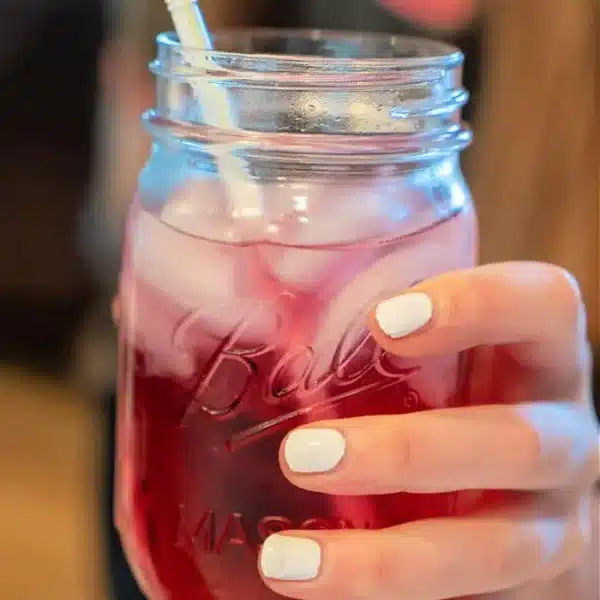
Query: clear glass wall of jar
pixel 245 291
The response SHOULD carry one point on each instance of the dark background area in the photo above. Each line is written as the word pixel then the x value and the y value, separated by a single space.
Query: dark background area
pixel 48 84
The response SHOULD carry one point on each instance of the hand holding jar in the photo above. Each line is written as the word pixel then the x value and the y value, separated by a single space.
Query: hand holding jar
pixel 532 434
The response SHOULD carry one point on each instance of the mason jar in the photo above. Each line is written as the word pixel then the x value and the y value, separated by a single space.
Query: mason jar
pixel 260 237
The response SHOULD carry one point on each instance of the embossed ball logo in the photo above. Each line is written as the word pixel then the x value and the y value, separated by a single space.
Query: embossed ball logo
pixel 287 372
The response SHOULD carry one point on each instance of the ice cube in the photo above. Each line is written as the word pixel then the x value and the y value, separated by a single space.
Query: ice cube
pixel 335 216
pixel 189 270
pixel 214 284
pixel 204 207
pixel 148 320
pixel 197 207
pixel 342 326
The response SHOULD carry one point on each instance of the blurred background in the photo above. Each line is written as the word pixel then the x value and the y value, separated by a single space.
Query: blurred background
pixel 73 82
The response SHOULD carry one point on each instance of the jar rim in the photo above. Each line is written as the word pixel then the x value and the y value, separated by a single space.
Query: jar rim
pixel 424 52
pixel 330 84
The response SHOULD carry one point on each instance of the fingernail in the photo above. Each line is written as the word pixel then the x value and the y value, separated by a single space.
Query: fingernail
pixel 404 314
pixel 290 558
pixel 314 450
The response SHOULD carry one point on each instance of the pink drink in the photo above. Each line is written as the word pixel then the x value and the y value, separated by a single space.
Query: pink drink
pixel 227 346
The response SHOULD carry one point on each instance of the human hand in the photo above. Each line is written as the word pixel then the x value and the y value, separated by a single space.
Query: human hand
pixel 538 442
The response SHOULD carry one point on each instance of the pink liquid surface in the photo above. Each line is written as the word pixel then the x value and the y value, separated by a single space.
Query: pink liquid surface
pixel 225 348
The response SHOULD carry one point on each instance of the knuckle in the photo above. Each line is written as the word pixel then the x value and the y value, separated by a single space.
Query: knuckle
pixel 469 303
pixel 575 544
pixel 568 292
pixel 465 301
pixel 576 547
pixel 454 312
pixel 405 462
pixel 585 452
pixel 509 562
pixel 385 578
pixel 558 453
pixel 534 459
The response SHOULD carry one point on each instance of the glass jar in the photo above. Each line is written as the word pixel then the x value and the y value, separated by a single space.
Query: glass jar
pixel 244 290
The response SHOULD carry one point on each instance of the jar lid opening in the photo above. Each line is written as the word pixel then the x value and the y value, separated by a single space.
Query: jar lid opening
pixel 322 50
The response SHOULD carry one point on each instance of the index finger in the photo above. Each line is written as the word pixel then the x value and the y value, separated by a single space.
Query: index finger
pixel 533 310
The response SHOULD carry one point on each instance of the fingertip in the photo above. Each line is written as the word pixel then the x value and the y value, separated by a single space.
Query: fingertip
pixel 290 558
pixel 312 450
pixel 403 315
pixel 400 324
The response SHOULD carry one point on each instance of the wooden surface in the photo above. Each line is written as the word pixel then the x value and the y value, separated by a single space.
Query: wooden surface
pixel 48 491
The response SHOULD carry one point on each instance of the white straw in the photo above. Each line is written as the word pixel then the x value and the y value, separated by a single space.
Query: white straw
pixel 193 34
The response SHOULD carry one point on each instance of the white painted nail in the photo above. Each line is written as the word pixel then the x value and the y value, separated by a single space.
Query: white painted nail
pixel 290 558
pixel 403 315
pixel 314 450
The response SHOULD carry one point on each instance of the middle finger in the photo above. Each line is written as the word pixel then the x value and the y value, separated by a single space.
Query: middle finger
pixel 526 447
